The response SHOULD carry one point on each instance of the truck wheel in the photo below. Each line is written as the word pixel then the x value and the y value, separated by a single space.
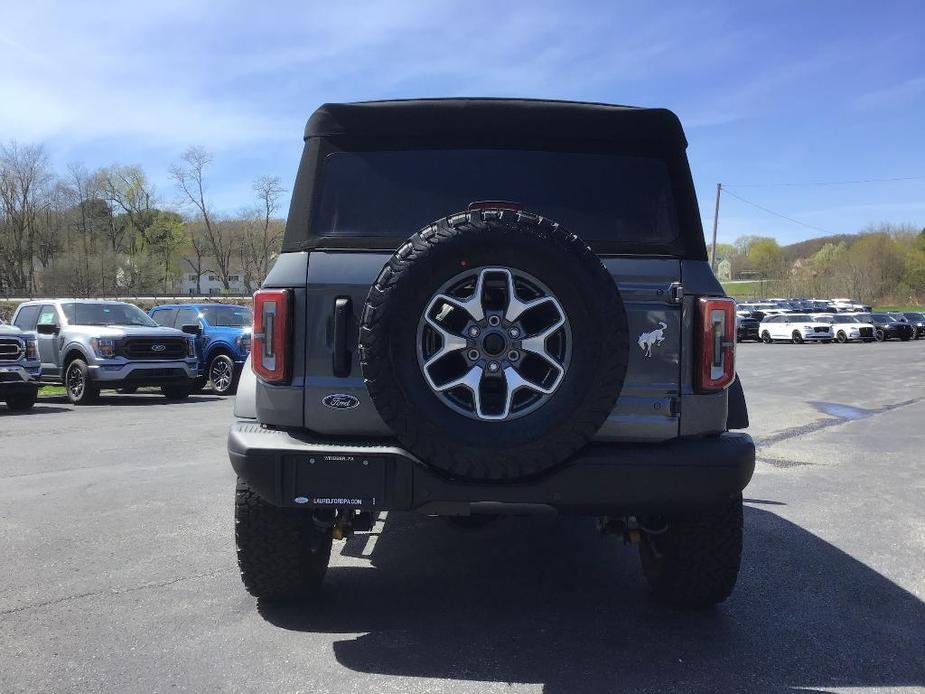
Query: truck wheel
pixel 282 555
pixel 222 375
pixel 80 389
pixel 694 563
pixel 176 392
pixel 22 401
pixel 521 344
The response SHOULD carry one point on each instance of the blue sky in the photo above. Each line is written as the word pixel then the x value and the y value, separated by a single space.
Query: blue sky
pixel 776 92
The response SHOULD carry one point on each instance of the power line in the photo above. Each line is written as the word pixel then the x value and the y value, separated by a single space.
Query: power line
pixel 776 214
pixel 828 183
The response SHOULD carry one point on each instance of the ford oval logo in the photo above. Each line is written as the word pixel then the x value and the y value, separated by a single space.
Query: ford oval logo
pixel 158 348
pixel 340 401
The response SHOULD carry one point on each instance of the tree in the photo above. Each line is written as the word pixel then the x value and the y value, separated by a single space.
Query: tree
pixel 765 256
pixel 165 237
pixel 24 176
pixel 262 238
pixel 189 178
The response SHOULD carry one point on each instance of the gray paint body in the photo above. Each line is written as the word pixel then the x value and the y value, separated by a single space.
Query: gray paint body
pixel 657 402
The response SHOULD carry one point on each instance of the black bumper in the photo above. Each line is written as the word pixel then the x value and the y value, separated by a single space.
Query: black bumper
pixel 300 471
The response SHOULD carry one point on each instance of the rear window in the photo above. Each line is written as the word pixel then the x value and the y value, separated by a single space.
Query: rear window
pixel 601 197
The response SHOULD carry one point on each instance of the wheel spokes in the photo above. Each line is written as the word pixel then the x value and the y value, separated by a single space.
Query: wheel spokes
pixel 515 307
pixel 537 345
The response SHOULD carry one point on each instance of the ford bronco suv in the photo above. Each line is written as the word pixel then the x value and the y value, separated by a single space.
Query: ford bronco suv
pixel 223 345
pixel 20 368
pixel 88 345
pixel 488 307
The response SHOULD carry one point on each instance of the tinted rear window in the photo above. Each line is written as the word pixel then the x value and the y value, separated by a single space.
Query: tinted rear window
pixel 601 197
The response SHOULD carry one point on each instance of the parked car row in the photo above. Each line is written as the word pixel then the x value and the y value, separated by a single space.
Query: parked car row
pixel 827 327
pixel 90 345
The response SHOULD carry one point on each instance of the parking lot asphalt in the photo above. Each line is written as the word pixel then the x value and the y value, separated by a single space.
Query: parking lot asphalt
pixel 116 539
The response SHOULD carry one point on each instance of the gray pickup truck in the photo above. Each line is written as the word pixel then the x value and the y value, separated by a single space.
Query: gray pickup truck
pixel 88 345
pixel 488 307
pixel 20 368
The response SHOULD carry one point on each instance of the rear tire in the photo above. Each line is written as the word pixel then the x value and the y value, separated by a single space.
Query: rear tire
pixel 80 389
pixel 695 562
pixel 22 401
pixel 282 555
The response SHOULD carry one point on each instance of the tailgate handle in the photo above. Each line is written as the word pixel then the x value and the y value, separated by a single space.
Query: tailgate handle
pixel 342 313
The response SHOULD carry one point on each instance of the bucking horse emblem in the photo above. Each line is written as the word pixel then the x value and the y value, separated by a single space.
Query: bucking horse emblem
pixel 653 338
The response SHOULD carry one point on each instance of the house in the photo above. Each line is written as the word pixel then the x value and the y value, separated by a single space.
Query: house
pixel 724 270
pixel 209 284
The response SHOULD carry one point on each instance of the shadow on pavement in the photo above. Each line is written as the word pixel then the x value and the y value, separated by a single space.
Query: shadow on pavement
pixel 552 602
pixel 114 399
pixel 38 408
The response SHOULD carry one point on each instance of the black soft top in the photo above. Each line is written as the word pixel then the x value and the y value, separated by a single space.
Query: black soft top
pixel 472 117
pixel 490 123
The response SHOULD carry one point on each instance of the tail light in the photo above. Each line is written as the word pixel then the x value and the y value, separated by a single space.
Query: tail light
pixel 717 343
pixel 271 348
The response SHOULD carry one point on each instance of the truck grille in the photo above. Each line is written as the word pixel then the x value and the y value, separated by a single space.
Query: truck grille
pixel 11 349
pixel 153 348
pixel 866 332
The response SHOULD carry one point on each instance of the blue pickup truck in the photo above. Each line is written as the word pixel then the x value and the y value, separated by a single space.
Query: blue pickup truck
pixel 223 345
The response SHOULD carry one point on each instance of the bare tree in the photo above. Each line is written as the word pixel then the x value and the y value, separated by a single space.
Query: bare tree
pixel 189 177
pixel 263 237
pixel 24 177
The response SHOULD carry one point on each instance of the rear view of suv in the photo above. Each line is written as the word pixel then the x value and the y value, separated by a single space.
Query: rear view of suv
pixel 223 344
pixel 488 307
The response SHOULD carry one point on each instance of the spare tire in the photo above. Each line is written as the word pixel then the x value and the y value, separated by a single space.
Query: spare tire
pixel 494 344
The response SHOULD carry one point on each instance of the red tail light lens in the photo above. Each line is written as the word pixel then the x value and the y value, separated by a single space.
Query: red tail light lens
pixel 271 347
pixel 717 343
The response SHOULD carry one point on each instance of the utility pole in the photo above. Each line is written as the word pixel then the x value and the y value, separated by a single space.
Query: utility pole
pixel 719 188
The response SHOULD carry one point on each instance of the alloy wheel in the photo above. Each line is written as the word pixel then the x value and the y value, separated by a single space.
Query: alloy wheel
pixel 494 343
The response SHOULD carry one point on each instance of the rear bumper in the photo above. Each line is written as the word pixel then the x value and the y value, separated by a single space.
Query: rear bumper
pixel 296 470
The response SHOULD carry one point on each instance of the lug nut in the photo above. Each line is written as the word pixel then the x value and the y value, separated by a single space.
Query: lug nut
pixel 513 355
pixel 473 354
pixel 493 366
pixel 494 321
pixel 474 331
pixel 514 332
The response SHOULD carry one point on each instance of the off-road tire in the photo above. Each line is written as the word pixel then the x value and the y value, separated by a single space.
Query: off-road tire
pixel 90 392
pixel 20 402
pixel 461 446
pixel 281 554
pixel 176 392
pixel 695 562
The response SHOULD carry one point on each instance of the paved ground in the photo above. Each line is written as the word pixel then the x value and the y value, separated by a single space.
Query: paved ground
pixel 119 573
